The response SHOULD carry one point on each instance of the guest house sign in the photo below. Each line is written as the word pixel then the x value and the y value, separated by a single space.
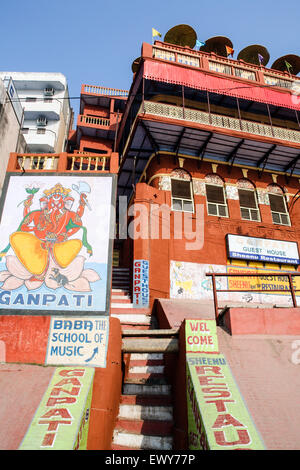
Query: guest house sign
pixel 55 237
pixel 262 249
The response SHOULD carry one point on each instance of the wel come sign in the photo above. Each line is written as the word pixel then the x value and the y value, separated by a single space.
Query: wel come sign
pixel 218 418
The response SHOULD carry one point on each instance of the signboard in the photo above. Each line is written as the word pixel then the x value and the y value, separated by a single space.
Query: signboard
pixel 62 418
pixel 201 336
pixel 217 415
pixel 261 249
pixel 78 341
pixel 56 236
pixel 141 283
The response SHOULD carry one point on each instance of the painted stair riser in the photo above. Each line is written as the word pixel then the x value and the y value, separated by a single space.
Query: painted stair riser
pixel 142 389
pixel 139 441
pixel 145 427
pixel 158 413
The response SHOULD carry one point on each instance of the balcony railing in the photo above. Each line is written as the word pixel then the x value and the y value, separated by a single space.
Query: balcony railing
pixel 216 120
pixel 100 90
pixel 93 121
pixel 63 162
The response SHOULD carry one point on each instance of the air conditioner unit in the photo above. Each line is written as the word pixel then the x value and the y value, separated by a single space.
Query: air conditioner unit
pixel 49 91
pixel 41 121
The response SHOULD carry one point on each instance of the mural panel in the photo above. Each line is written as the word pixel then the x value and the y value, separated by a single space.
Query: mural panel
pixel 56 243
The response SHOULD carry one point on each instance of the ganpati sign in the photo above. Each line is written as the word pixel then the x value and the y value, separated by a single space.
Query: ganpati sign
pixel 55 236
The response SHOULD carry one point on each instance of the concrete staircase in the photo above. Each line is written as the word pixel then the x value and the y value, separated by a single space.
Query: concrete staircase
pixel 145 419
pixel 121 304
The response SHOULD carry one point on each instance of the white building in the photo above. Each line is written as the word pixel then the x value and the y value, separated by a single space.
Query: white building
pixel 11 116
pixel 47 113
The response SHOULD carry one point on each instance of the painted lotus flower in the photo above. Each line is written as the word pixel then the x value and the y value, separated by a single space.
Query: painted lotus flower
pixel 74 277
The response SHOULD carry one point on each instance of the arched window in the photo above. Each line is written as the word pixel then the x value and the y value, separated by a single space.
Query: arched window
pixel 215 196
pixel 248 200
pixel 181 191
pixel 278 205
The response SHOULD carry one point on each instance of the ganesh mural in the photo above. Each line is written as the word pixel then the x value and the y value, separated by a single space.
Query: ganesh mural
pixel 49 248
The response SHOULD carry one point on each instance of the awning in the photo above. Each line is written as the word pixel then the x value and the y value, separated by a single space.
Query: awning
pixel 197 79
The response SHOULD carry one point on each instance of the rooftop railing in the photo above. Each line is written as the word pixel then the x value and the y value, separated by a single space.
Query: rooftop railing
pixel 215 63
pixel 104 91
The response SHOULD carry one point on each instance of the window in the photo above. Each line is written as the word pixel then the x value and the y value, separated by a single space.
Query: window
pixel 181 193
pixel 216 203
pixel 278 209
pixel 248 204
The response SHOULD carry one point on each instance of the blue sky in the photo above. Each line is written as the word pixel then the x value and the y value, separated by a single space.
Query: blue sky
pixel 96 41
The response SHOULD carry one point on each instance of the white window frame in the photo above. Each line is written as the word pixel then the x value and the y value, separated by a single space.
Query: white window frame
pixel 216 203
pixel 249 209
pixel 183 199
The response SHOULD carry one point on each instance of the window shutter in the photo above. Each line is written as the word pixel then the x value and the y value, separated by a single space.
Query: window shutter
pixel 181 189
pixel 247 199
pixel 277 203
pixel 215 194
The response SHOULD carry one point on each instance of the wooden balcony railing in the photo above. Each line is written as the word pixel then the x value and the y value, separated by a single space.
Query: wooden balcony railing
pixel 63 162
pixel 93 121
pixel 105 91
pixel 216 120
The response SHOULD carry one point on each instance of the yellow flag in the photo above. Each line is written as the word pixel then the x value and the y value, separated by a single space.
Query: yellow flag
pixel 155 33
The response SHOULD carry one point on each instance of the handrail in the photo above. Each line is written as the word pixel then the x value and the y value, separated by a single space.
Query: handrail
pixel 291 289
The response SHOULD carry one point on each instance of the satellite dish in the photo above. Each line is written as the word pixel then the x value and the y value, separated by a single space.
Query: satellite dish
pixel 217 45
pixel 181 35
pixel 293 60
pixel 251 55
pixel 135 65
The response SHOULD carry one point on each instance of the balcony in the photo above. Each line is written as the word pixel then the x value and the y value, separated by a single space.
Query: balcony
pixel 63 162
pixel 39 140
pixel 96 127
pixel 223 122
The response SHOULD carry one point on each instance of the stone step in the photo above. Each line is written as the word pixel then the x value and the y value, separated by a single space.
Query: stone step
pixel 120 291
pixel 150 378
pixel 133 310
pixel 146 389
pixel 146 363
pixel 146 356
pixel 144 412
pixel 122 305
pixel 139 441
pixel 146 400
pixel 146 369
pixel 132 319
pixel 121 298
pixel 145 427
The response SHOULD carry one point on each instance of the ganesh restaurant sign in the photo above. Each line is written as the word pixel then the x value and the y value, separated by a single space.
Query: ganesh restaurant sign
pixel 56 243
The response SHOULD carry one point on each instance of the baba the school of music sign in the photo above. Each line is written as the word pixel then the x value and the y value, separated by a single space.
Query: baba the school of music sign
pixel 56 236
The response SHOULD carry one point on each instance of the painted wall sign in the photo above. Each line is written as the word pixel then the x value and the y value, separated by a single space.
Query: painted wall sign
pixel 261 249
pixel 201 336
pixel 217 415
pixel 62 419
pixel 141 283
pixel 78 341
pixel 56 243
pixel 189 281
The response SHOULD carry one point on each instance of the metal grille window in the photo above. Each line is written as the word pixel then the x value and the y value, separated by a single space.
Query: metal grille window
pixel 216 203
pixel 182 198
pixel 248 205
pixel 279 210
